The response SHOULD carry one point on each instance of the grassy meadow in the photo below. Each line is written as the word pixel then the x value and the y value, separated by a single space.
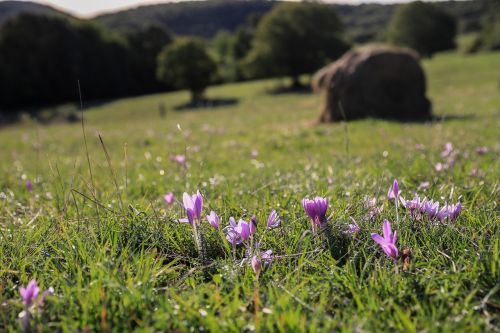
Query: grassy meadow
pixel 95 226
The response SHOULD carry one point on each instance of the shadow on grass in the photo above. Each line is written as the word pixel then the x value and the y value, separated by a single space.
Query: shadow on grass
pixel 282 90
pixel 207 103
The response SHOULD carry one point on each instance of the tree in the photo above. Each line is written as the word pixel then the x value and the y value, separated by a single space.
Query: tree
pixel 296 38
pixel 186 64
pixel 423 27
pixel 145 45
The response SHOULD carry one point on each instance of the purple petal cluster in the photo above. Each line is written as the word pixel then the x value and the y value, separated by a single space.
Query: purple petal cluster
pixel 388 241
pixel 393 191
pixel 213 219
pixel 30 293
pixel 273 220
pixel 316 210
pixel 193 205
pixel 238 233
pixel 420 208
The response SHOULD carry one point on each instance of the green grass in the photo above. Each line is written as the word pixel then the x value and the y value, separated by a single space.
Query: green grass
pixel 125 264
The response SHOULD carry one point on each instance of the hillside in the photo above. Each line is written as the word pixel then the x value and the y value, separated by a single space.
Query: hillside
pixel 204 18
pixel 9 9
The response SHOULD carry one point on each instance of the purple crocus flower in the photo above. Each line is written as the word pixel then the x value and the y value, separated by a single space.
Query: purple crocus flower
pixel 481 150
pixel 352 228
pixel 237 233
pixel 316 210
pixel 30 293
pixel 29 185
pixel 169 198
pixel 256 265
pixel 412 205
pixel 273 220
pixel 448 149
pixel 388 242
pixel 442 213
pixel 454 211
pixel 193 206
pixel 45 294
pixel 432 208
pixel 393 191
pixel 253 224
pixel 180 159
pixel 213 219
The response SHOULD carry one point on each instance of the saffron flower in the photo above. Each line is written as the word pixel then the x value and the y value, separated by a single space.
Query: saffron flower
pixel 169 198
pixel 388 242
pixel 393 191
pixel 213 219
pixel 273 220
pixel 316 210
pixel 193 205
pixel 30 293
pixel 29 185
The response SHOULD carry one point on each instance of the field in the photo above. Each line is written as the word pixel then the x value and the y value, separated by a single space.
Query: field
pixel 95 226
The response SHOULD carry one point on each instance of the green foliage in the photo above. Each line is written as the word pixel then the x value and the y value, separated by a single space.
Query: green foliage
pixel 296 38
pixel 186 64
pixel 489 37
pixel 423 27
pixel 133 267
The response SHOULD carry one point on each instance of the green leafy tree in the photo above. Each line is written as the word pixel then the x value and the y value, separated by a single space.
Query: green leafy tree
pixel 423 27
pixel 186 64
pixel 296 38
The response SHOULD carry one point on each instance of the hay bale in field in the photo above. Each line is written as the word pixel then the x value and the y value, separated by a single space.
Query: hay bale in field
pixel 382 82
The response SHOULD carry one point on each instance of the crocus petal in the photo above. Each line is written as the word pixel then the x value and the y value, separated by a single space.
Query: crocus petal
pixel 188 202
pixel 379 239
pixel 386 228
pixel 198 204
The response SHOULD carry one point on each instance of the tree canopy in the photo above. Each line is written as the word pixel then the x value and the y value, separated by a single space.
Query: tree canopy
pixel 423 27
pixel 296 38
pixel 186 64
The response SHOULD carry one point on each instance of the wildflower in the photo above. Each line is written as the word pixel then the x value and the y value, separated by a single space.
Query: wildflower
pixel 481 150
pixel 388 242
pixel 254 153
pixel 169 198
pixel 448 149
pixel 411 205
pixel 419 147
pixel 352 228
pixel 371 205
pixel 266 257
pixel 316 210
pixel 439 167
pixel 256 265
pixel 180 159
pixel 432 208
pixel 273 220
pixel 253 225
pixel 237 233
pixel 424 185
pixel 193 206
pixel 454 211
pixel 30 293
pixel 393 191
pixel 29 185
pixel 213 219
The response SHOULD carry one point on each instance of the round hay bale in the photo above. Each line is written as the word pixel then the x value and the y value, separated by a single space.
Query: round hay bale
pixel 380 82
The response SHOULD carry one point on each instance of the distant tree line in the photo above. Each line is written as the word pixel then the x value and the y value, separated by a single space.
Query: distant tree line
pixel 42 57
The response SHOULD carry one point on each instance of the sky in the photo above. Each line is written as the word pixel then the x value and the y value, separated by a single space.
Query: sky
pixel 88 8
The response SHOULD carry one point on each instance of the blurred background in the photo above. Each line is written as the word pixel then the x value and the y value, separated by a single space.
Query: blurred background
pixel 125 48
